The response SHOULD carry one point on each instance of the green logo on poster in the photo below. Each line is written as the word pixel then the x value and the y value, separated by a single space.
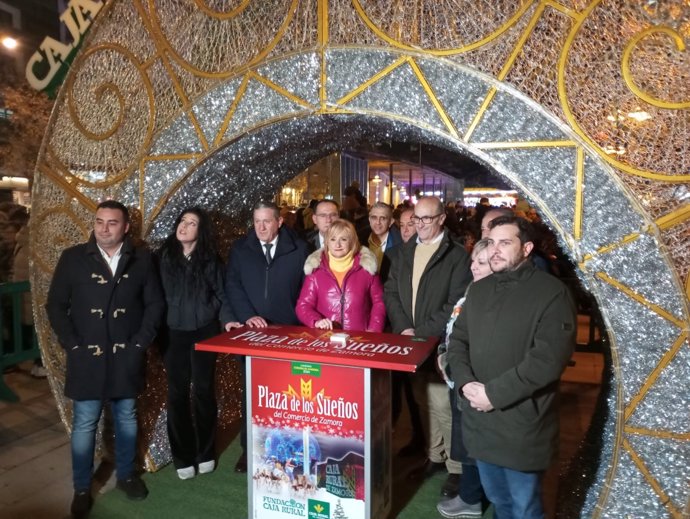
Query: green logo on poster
pixel 306 368
pixel 319 509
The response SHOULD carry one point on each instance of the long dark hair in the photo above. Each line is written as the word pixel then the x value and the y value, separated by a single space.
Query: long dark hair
pixel 204 254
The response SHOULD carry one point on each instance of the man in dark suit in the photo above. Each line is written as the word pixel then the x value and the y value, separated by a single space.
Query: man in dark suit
pixel 105 304
pixel 263 281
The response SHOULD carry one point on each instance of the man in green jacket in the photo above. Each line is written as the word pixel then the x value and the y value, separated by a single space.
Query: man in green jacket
pixel 509 346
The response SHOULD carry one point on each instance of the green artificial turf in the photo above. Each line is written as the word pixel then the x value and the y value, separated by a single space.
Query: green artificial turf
pixel 223 494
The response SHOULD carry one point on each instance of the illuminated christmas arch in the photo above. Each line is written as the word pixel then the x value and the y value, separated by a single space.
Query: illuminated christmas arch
pixel 172 102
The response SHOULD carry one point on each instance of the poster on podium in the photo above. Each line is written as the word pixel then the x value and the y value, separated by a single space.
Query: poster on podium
pixel 307 450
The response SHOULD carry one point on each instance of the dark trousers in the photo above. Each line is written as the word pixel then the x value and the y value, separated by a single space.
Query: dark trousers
pixel 192 407
pixel 471 490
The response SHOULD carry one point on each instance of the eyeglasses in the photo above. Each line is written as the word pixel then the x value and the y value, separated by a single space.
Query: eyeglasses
pixel 332 216
pixel 424 219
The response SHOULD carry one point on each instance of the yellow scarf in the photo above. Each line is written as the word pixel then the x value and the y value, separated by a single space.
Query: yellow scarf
pixel 341 266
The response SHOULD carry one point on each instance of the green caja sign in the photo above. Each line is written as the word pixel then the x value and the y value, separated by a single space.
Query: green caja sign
pixel 306 368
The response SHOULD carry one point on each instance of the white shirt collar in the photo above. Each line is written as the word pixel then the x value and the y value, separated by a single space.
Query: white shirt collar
pixel 114 260
pixel 384 241
pixel 273 242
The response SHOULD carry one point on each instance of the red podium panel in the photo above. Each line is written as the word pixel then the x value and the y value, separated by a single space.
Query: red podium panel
pixel 319 429
pixel 362 349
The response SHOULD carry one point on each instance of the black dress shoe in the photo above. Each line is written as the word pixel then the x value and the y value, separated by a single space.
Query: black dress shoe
pixel 451 486
pixel 81 504
pixel 133 487
pixel 241 465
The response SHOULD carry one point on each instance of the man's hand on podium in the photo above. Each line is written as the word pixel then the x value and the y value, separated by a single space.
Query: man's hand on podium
pixel 232 324
pixel 256 322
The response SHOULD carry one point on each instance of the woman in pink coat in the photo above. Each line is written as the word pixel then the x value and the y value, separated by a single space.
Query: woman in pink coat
pixel 341 288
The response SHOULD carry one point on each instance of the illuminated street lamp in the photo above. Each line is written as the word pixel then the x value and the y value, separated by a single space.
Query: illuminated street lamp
pixel 376 181
pixel 9 43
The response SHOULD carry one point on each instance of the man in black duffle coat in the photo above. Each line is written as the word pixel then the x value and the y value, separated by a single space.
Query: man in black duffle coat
pixel 105 304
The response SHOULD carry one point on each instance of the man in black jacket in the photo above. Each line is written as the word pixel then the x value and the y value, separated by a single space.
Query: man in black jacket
pixel 263 280
pixel 427 277
pixel 105 304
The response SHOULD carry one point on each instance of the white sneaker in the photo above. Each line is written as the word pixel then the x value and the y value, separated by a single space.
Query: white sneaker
pixel 456 508
pixel 207 466
pixel 186 473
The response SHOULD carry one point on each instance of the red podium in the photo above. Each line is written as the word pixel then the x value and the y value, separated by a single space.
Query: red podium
pixel 318 424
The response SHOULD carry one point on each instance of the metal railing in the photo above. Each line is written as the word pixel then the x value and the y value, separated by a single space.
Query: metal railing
pixel 17 341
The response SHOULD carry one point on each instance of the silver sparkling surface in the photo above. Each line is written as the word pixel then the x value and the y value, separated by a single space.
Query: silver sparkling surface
pixel 630 494
pixel 159 453
pixel 461 97
pixel 410 99
pixel 642 337
pixel 257 165
pixel 349 68
pixel 608 214
pixel 212 108
pixel 644 269
pixel 540 168
pixel 665 459
pixel 508 119
pixel 299 75
pixel 159 176
pixel 128 190
pixel 258 104
pixel 666 405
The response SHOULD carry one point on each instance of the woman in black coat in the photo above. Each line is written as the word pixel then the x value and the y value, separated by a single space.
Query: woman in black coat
pixel 192 278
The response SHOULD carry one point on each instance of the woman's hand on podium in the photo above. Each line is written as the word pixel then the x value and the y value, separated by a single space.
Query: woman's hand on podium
pixel 324 324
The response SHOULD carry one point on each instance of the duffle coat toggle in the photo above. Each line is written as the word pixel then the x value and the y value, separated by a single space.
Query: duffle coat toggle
pixel 98 311
pixel 100 278
pixel 98 351
pixel 119 310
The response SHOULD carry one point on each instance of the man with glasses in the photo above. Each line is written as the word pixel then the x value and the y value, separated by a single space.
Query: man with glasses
pixel 325 212
pixel 426 279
